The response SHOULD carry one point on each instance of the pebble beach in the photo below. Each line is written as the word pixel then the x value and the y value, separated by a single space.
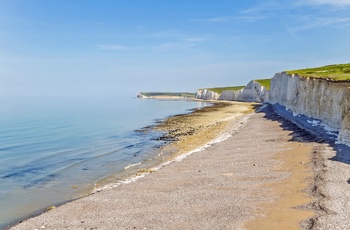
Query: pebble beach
pixel 231 166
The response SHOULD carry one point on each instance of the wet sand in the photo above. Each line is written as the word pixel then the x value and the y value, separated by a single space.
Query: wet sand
pixel 262 176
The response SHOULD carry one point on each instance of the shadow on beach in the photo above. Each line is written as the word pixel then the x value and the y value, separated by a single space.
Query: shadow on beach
pixel 303 131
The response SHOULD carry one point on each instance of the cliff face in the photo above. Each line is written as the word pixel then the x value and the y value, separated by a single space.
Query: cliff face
pixel 140 95
pixel 207 94
pixel 316 98
pixel 253 92
pixel 165 95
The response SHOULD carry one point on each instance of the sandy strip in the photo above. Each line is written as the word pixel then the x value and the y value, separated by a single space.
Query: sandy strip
pixel 255 179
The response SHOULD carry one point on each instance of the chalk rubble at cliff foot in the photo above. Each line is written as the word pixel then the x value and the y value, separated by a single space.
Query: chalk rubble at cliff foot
pixel 253 92
pixel 315 98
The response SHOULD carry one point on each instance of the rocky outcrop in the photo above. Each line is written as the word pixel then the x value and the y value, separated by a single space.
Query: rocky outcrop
pixel 253 92
pixel 315 98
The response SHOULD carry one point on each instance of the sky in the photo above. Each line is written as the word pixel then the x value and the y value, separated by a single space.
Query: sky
pixel 64 48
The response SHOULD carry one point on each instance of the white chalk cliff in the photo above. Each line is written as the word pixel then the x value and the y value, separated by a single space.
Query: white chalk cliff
pixel 206 94
pixel 253 92
pixel 316 98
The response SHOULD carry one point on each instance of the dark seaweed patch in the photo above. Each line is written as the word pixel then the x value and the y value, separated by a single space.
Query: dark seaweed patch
pixel 22 173
pixel 41 181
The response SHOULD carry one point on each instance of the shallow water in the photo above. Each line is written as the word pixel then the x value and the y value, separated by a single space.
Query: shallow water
pixel 55 150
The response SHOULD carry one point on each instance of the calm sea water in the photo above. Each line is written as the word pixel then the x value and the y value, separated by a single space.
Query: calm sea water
pixel 55 150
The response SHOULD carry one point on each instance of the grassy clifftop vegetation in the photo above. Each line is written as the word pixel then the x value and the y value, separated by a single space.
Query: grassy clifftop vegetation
pixel 220 89
pixel 264 82
pixel 339 72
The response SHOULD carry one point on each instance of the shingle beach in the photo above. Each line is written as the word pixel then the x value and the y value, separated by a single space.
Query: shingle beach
pixel 264 174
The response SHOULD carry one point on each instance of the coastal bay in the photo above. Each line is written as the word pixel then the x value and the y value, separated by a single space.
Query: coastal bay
pixel 258 173
pixel 174 115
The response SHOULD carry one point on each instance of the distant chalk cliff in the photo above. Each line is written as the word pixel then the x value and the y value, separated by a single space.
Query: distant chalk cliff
pixel 207 94
pixel 165 95
pixel 252 92
pixel 321 99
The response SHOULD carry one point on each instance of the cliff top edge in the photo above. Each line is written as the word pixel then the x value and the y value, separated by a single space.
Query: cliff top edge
pixel 334 73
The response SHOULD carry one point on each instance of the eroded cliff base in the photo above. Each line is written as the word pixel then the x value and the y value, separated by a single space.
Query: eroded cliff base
pixel 317 98
pixel 330 185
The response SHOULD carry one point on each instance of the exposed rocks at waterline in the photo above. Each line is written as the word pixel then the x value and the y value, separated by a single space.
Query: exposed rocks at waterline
pixel 187 131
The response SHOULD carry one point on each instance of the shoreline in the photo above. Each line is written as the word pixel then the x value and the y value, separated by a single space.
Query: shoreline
pixel 179 145
pixel 230 125
pixel 178 149
pixel 226 183
pixel 139 172
pixel 121 177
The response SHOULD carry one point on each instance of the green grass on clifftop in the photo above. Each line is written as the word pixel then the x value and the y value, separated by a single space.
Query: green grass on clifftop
pixel 339 72
pixel 220 89
pixel 264 82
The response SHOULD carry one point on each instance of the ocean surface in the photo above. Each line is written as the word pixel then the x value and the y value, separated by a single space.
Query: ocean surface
pixel 55 150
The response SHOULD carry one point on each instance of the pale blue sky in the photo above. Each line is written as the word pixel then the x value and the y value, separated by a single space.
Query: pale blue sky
pixel 104 47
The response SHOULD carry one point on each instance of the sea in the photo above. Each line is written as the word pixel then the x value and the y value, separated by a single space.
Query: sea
pixel 54 150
